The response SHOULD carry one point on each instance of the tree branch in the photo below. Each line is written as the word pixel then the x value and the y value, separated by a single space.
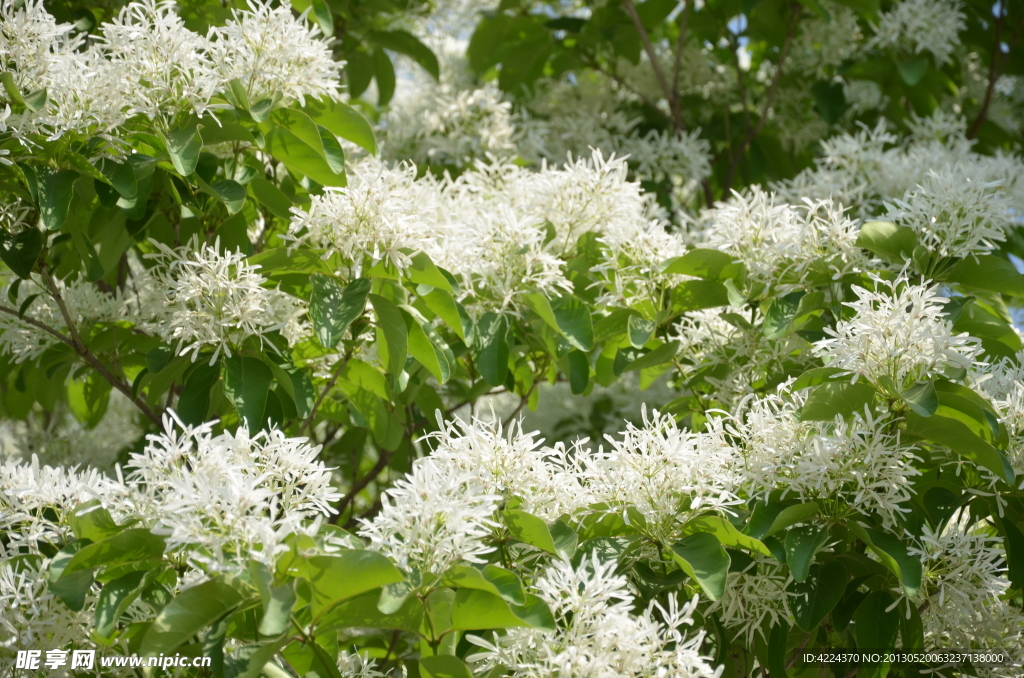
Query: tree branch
pixel 768 101
pixel 677 65
pixel 993 73
pixel 323 394
pixel 360 485
pixel 670 96
pixel 86 354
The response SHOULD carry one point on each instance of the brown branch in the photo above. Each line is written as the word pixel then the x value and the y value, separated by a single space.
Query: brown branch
pixel 769 100
pixel 993 74
pixel 677 65
pixel 83 351
pixel 371 475
pixel 323 394
pixel 670 96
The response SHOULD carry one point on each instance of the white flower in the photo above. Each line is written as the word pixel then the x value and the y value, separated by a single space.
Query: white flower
pixel 33 616
pixel 953 214
pixel 898 333
pixel 753 597
pixel 847 467
pixel 271 52
pixel 964 579
pixel 668 474
pixel 781 243
pixel 227 496
pixel 597 634
pixel 434 518
pixel 922 26
pixel 199 297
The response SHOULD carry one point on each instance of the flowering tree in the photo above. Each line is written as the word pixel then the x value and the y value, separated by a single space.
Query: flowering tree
pixel 287 287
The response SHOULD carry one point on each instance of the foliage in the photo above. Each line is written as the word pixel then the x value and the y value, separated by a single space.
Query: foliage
pixel 282 282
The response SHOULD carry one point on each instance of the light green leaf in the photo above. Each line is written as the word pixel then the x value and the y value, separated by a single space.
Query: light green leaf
pixel 639 330
pixel 832 399
pixel 184 146
pixel 392 336
pixel 444 666
pixel 702 557
pixel 343 121
pixel 573 319
pixel 345 575
pixel 55 193
pixel 725 532
pixel 707 264
pixel 125 547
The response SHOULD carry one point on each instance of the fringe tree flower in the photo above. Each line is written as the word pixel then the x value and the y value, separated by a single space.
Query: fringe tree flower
pixel 597 633
pixel 227 496
pixel 897 332
pixel 922 26
pixel 199 297
pixel 434 518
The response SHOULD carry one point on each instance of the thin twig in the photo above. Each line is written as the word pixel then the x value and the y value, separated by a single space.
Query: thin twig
pixel 593 63
pixel 670 97
pixel 993 73
pixel 371 475
pixel 83 351
pixel 323 394
pixel 769 100
pixel 677 65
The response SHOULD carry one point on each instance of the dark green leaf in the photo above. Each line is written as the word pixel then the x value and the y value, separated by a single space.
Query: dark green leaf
pixel 812 600
pixel 911 72
pixel 21 251
pixel 987 272
pixel 767 519
pixel 271 197
pixel 491 348
pixel 922 398
pixel 958 437
pixel 409 45
pixel 55 192
pixel 247 383
pixel 444 666
pixel 894 554
pixel 187 614
pixel 332 308
pixel 579 371
pixel 573 319
pixel 125 547
pixel 345 575
pixel 801 545
pixel 343 121
pixel 392 336
pixel 877 622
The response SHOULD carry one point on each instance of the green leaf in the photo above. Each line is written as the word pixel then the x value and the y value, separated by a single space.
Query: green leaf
pixel 225 132
pixel 332 308
pixel 956 436
pixel 73 589
pixel 830 100
pixel 277 609
pixel 35 101
pixel 11 87
pixel 810 601
pixel 725 532
pixel 451 312
pixel 384 72
pixel 194 400
pixel 229 192
pixel 639 330
pixel 559 540
pixel 922 398
pixel 819 375
pixel 780 315
pixel 271 197
pixel 345 575
pixel 117 595
pixel 125 547
pixel 422 271
pixel 324 17
pixel 911 73
pixel 911 629
pixel 343 121
pixel 409 45
pixel 894 554
pixel 877 622
pixel 300 157
pixel 476 609
pixel 426 346
pixel 573 319
pixel 579 371
pixel 247 383
pixel 767 519
pixel 444 666
pixel 21 251
pixel 491 348
pixel 1013 541
pixel 121 176
pixel 184 146
pixel 55 193
pixel 694 295
pixel 491 578
pixel 702 557
pixel 987 272
pixel 364 612
pixel 832 399
pixel 653 358
pixel 187 614
pixel 93 522
pixel 778 640
pixel 707 264
pixel 392 336
pixel 892 243
pixel 801 545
